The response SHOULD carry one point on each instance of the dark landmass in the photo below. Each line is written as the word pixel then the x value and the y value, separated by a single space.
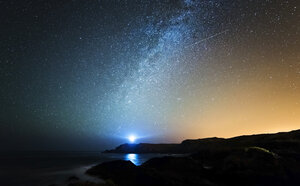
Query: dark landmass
pixel 279 141
pixel 267 159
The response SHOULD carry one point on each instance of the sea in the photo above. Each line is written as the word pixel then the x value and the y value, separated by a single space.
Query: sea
pixel 56 168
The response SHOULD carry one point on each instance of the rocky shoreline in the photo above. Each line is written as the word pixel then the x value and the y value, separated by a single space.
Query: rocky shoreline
pixel 267 159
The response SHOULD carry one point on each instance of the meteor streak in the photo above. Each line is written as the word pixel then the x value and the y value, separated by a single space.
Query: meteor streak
pixel 205 39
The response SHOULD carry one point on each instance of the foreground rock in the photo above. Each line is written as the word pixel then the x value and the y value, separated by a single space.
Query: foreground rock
pixel 126 173
pixel 243 166
pixel 268 159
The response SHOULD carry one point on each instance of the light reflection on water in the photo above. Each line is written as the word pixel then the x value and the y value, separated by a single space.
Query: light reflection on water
pixel 134 158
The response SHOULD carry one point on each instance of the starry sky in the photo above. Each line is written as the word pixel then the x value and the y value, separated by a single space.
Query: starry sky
pixel 83 75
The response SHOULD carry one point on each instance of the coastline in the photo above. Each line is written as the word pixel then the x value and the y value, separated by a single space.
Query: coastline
pixel 265 159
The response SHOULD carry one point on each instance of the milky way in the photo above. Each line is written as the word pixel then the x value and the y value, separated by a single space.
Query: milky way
pixel 148 92
pixel 159 69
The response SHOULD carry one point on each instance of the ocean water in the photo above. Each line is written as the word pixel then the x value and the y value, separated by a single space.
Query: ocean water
pixel 46 168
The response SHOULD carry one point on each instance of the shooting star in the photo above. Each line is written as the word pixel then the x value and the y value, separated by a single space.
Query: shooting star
pixel 207 38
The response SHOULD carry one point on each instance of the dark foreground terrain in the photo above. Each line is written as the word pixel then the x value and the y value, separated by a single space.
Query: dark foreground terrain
pixel 267 159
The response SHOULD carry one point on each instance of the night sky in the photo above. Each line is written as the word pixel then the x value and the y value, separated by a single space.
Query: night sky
pixel 85 74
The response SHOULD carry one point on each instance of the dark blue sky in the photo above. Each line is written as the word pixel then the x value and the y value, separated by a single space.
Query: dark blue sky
pixel 86 74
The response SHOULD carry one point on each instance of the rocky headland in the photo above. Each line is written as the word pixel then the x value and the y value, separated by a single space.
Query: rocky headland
pixel 266 159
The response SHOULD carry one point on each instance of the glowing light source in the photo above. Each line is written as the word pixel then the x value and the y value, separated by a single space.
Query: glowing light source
pixel 132 138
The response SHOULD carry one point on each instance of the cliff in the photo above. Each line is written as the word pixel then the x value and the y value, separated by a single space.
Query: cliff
pixel 279 142
pixel 266 159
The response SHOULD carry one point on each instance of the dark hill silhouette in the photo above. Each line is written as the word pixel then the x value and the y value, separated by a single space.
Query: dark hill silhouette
pixel 265 159
pixel 282 141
